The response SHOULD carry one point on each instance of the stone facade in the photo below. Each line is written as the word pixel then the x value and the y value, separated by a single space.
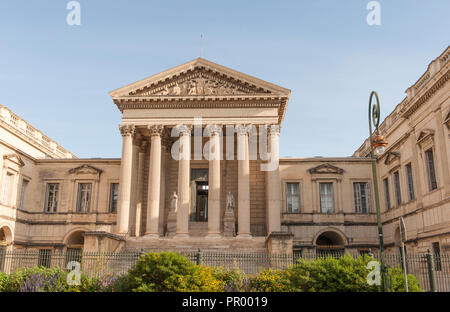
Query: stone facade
pixel 224 199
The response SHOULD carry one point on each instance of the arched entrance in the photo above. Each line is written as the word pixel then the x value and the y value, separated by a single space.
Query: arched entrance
pixel 74 246
pixel 330 243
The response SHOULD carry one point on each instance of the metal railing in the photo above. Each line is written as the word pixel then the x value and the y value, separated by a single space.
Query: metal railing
pixel 433 272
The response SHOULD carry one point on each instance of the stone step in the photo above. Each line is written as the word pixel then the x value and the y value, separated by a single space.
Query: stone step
pixel 198 228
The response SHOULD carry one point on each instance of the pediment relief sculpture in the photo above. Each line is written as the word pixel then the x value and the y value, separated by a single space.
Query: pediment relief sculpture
pixel 85 169
pixel 326 168
pixel 391 157
pixel 200 83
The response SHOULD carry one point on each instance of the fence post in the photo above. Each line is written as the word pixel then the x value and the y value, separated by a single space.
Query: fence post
pixel 430 265
pixel 199 257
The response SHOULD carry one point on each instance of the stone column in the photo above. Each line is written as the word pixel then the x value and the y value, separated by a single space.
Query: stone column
pixel 214 182
pixel 243 182
pixel 140 188
pixel 154 181
pixel 273 189
pixel 134 184
pixel 184 168
pixel 123 216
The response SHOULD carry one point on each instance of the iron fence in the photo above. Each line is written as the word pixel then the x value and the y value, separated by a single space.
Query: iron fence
pixel 433 272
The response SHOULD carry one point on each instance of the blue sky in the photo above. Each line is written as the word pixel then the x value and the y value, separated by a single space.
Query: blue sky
pixel 57 77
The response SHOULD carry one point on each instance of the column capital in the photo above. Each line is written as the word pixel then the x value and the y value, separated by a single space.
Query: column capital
pixel 155 130
pixel 127 129
pixel 243 129
pixel 213 130
pixel 274 130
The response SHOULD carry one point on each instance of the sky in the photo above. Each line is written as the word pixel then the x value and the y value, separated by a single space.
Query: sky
pixel 57 77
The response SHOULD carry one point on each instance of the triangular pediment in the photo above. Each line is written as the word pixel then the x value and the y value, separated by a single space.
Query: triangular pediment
pixel 391 157
pixel 15 158
pixel 85 169
pixel 199 78
pixel 425 134
pixel 326 168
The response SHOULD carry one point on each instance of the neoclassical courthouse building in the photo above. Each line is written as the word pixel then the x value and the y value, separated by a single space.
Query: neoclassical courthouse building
pixel 156 196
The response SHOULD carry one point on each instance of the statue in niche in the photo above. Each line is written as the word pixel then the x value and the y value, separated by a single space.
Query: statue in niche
pixel 230 202
pixel 173 202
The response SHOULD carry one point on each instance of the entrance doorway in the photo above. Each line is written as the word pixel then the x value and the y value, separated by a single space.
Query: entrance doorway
pixel 199 195
pixel 202 201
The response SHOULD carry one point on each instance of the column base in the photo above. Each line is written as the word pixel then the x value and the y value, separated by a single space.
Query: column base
pixel 152 235
pixel 244 236
pixel 213 236
pixel 181 235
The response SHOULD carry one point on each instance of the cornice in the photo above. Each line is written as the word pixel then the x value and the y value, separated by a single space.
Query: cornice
pixel 412 106
pixel 202 102
pixel 32 141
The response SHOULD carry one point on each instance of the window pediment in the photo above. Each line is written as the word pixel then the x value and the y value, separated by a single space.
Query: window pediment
pixel 391 157
pixel 85 170
pixel 326 168
pixel 15 158
pixel 425 135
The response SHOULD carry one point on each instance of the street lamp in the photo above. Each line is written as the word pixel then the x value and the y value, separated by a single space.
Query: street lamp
pixel 377 144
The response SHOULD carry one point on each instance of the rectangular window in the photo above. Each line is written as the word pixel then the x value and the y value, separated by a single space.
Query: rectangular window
pixel 22 193
pixel 51 197
pixel 84 197
pixel 410 182
pixel 437 257
pixel 398 193
pixel 292 197
pixel 431 170
pixel 386 194
pixel 326 197
pixel 113 195
pixel 362 197
pixel 45 257
pixel 9 181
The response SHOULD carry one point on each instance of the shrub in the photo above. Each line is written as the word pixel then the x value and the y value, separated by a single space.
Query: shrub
pixel 41 279
pixel 4 282
pixel 169 271
pixel 270 281
pixel 230 278
pixel 330 274
pixel 37 279
pixel 398 281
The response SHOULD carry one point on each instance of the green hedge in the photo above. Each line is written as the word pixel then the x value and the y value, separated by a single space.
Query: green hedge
pixel 169 271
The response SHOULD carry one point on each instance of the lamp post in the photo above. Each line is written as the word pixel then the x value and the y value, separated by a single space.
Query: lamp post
pixel 378 144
